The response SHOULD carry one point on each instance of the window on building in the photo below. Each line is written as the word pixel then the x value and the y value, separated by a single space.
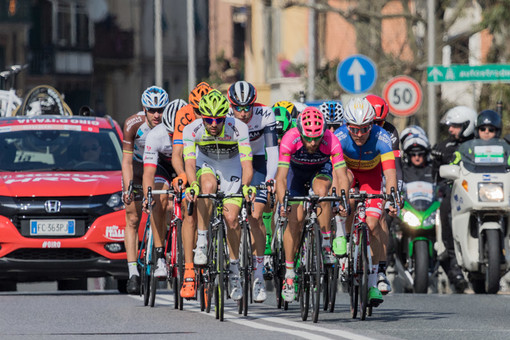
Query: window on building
pixel 73 26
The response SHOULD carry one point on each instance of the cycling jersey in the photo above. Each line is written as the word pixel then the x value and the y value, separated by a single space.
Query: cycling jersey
pixel 293 152
pixel 395 144
pixel 377 150
pixel 183 117
pixel 158 153
pixel 135 134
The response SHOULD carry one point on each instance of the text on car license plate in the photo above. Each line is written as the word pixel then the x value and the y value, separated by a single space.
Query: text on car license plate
pixel 52 227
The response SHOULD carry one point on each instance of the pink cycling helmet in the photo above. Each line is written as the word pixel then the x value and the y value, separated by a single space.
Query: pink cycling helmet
pixel 311 123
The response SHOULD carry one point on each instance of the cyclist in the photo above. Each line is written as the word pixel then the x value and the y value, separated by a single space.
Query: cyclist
pixel 369 155
pixel 158 173
pixel 223 150
pixel 308 153
pixel 284 121
pixel 264 143
pixel 461 126
pixel 333 111
pixel 185 116
pixel 291 107
pixel 154 99
pixel 381 111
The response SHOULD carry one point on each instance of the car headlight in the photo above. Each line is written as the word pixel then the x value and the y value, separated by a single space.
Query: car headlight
pixel 411 219
pixel 490 192
pixel 115 201
pixel 431 220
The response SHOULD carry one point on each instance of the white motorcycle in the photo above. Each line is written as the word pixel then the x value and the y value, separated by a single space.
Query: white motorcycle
pixel 480 216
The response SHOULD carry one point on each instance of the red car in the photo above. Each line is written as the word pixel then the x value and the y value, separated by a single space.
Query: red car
pixel 61 211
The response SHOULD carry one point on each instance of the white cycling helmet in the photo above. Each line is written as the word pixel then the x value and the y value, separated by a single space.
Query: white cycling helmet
pixel 169 113
pixel 359 111
pixel 333 111
pixel 154 97
pixel 461 115
pixel 411 130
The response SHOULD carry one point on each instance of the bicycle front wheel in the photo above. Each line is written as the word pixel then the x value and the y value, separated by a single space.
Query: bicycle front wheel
pixel 364 271
pixel 246 268
pixel 352 275
pixel 316 272
pixel 153 279
pixel 220 266
pixel 180 262
pixel 304 277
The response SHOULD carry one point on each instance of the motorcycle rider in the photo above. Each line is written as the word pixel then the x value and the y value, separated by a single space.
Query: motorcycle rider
pixel 461 125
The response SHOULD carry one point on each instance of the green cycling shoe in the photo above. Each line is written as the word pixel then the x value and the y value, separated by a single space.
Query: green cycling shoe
pixel 340 246
pixel 374 297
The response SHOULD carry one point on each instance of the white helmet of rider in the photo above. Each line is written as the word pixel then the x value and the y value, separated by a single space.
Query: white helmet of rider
pixel 169 113
pixel 359 111
pixel 461 115
pixel 411 130
pixel 416 141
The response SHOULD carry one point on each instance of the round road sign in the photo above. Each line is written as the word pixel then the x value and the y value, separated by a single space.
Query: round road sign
pixel 403 95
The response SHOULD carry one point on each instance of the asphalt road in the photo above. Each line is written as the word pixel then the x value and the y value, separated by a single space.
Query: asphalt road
pixel 49 314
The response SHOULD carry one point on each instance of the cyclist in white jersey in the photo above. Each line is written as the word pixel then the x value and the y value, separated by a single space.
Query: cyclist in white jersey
pixel 136 128
pixel 217 145
pixel 158 173
pixel 264 142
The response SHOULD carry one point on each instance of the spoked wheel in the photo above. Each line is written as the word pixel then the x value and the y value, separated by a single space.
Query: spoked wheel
pixel 332 275
pixel 246 269
pixel 175 288
pixel 316 273
pixel 304 282
pixel 325 287
pixel 220 265
pixel 364 271
pixel 352 283
pixel 153 279
pixel 180 263
pixel 279 269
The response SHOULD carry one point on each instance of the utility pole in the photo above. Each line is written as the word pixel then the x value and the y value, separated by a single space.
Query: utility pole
pixel 158 44
pixel 190 10
pixel 312 42
pixel 431 89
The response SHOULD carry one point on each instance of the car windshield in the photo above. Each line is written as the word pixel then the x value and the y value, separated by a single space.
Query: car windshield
pixel 59 150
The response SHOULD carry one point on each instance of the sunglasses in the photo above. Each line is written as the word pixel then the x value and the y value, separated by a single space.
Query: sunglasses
pixel 243 108
pixel 154 110
pixel 355 130
pixel 311 139
pixel 210 120
pixel 487 128
pixel 89 148
pixel 417 154
pixel 334 126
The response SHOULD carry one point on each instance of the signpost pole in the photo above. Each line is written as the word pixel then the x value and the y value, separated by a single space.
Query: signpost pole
pixel 431 89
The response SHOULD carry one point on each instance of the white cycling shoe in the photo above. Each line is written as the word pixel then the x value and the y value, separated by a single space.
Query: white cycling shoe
pixel 200 257
pixel 259 291
pixel 160 268
pixel 383 284
pixel 235 288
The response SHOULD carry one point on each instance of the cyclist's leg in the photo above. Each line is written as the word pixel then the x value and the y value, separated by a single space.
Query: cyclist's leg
pixel 208 185
pixel 188 231
pixel 231 215
pixel 133 217
pixel 321 186
pixel 159 219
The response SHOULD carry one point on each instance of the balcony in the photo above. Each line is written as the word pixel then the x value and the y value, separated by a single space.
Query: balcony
pixel 50 60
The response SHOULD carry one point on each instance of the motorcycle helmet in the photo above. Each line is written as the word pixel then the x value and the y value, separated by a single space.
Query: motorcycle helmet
pixel 489 117
pixel 416 143
pixel 461 115
pixel 411 130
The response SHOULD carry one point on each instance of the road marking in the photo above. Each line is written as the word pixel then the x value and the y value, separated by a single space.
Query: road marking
pixel 307 331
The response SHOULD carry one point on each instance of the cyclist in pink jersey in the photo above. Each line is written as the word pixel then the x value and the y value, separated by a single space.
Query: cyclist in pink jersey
pixel 308 153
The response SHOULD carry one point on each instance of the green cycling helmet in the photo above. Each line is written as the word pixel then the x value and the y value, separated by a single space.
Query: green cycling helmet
pixel 214 104
pixel 283 120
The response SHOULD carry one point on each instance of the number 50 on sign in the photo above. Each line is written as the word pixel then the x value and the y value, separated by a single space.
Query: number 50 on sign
pixel 403 95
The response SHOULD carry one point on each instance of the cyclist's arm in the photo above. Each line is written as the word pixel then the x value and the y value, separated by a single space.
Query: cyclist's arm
pixel 148 178
pixel 245 152
pixel 271 143
pixel 281 182
pixel 127 168
pixel 177 159
pixel 189 154
pixel 272 162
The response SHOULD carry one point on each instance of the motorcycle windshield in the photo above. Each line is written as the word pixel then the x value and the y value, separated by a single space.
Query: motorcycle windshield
pixel 485 159
pixel 420 193
pixel 421 205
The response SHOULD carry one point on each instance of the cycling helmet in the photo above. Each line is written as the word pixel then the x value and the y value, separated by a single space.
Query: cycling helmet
pixel 411 130
pixel 197 93
pixel 283 120
pixel 154 97
pixel 242 93
pixel 380 106
pixel 311 123
pixel 214 104
pixel 462 115
pixel 489 117
pixel 359 112
pixel 169 113
pixel 289 106
pixel 333 112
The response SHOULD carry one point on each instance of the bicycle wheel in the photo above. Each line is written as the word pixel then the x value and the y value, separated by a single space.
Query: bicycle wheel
pixel 364 271
pixel 352 283
pixel 278 266
pixel 325 287
pixel 221 273
pixel 316 272
pixel 180 262
pixel 153 279
pixel 304 278
pixel 332 287
pixel 174 280
pixel 246 268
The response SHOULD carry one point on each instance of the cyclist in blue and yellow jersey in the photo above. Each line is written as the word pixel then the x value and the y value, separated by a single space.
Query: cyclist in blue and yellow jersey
pixel 264 145
pixel 217 145
pixel 368 154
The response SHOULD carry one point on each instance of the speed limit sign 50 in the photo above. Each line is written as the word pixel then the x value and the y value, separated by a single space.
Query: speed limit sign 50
pixel 403 95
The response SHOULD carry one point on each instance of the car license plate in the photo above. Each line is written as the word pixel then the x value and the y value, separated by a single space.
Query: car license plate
pixel 52 227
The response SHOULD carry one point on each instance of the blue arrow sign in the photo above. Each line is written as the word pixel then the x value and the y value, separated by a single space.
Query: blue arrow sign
pixel 356 74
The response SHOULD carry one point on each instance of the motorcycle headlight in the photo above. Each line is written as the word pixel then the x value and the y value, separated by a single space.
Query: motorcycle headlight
pixel 490 192
pixel 411 219
pixel 115 201
pixel 431 220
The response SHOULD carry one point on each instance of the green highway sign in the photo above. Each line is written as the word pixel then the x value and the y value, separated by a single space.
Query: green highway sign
pixel 481 73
